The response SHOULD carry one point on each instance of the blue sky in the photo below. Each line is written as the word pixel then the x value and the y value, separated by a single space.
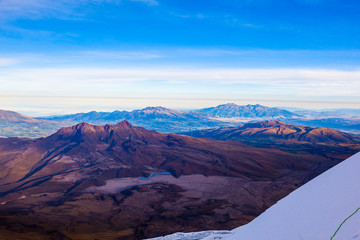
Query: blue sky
pixel 181 54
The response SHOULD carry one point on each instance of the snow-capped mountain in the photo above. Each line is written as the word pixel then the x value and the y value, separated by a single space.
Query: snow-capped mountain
pixel 323 209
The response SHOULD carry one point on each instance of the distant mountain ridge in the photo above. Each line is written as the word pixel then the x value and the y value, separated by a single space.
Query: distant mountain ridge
pixel 115 116
pixel 155 118
pixel 167 120
pixel 231 110
pixel 276 131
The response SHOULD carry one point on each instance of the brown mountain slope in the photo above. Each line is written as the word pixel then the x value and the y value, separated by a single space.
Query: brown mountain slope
pixel 16 117
pixel 83 182
pixel 135 152
pixel 15 124
pixel 277 131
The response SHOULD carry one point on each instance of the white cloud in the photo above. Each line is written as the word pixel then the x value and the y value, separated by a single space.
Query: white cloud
pixel 299 76
pixel 85 81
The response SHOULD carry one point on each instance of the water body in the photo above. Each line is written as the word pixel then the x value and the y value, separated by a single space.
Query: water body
pixel 154 174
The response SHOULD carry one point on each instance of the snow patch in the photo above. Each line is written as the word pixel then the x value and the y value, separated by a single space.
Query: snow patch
pixel 208 235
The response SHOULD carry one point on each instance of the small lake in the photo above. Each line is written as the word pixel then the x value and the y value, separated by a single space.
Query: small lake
pixel 154 174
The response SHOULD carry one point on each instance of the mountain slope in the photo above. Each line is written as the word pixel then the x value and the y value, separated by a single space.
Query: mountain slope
pixel 125 182
pixel 11 116
pixel 138 150
pixel 231 110
pixel 342 124
pixel 314 211
pixel 16 124
pixel 276 131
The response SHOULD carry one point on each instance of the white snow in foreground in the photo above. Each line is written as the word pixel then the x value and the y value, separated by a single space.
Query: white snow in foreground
pixel 312 212
pixel 195 235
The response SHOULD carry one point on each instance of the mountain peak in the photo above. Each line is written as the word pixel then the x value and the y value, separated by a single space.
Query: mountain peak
pixel 124 124
pixel 82 128
pixel 257 106
pixel 267 123
pixel 231 110
pixel 229 105
pixel 239 106
pixel 83 125
pixel 93 133
pixel 157 109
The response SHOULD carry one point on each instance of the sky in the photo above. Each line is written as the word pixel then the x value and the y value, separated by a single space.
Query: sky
pixel 67 56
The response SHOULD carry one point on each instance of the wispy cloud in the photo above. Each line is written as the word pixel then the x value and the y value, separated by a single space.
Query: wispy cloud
pixel 36 33
pixel 61 9
pixel 229 58
pixel 148 2
pixel 312 2
pixel 37 9
pixel 124 55
pixel 236 22
pixel 300 82
pixel 68 10
pixel 7 62
pixel 249 25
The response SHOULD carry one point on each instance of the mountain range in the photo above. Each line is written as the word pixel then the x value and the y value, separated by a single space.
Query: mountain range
pixel 155 118
pixel 231 110
pixel 125 182
pixel 174 121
